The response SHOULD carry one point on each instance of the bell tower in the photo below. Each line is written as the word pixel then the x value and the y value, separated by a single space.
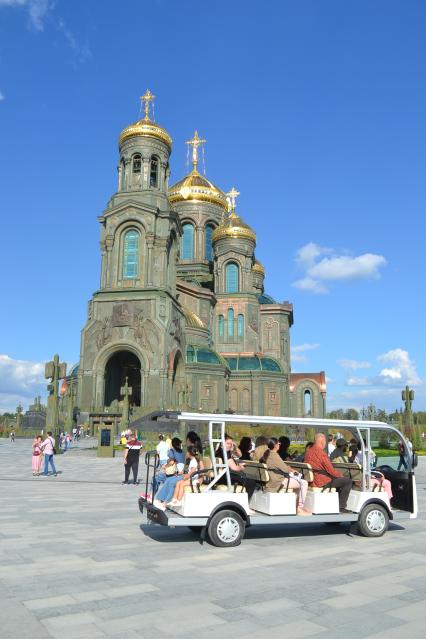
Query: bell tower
pixel 135 325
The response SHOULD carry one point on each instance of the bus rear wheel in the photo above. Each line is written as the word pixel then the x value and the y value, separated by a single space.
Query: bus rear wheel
pixel 373 520
pixel 226 529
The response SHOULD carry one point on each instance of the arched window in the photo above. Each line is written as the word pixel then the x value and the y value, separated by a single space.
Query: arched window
pixel 231 278
pixel 209 245
pixel 136 163
pixel 220 325
pixel 230 322
pixel 240 325
pixel 307 402
pixel 131 255
pixel 153 172
pixel 187 246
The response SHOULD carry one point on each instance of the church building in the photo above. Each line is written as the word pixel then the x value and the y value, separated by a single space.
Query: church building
pixel 181 310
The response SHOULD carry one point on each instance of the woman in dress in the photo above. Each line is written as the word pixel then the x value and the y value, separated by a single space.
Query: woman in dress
pixel 37 455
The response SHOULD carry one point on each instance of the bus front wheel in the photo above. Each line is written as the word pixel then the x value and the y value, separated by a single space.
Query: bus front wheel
pixel 373 520
pixel 226 528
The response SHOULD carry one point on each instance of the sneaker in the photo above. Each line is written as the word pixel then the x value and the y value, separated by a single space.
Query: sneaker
pixel 345 511
pixel 124 483
pixel 159 504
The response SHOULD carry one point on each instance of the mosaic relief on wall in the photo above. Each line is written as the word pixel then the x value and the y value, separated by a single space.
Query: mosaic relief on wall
pixel 127 321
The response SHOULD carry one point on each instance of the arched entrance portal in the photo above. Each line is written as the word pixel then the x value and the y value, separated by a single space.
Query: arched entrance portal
pixel 119 366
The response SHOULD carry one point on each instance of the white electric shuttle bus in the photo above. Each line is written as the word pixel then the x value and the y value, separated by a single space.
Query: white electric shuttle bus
pixel 218 507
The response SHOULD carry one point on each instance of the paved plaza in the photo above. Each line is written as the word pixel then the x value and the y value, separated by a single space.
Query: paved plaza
pixel 78 561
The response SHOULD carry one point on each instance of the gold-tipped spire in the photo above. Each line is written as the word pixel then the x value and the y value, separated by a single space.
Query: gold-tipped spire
pixel 195 143
pixel 231 198
pixel 147 97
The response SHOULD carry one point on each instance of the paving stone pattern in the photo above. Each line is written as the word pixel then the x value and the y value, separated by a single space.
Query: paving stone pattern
pixel 78 561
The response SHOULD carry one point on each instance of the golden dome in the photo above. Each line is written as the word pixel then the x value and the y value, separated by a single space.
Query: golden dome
pixel 258 267
pixel 234 226
pixel 146 128
pixel 191 319
pixel 197 187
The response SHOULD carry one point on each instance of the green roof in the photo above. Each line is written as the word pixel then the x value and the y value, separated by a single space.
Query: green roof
pixel 253 363
pixel 266 299
pixel 203 355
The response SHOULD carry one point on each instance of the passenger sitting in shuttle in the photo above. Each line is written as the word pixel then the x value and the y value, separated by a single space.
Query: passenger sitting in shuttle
pixel 261 444
pixel 236 468
pixel 325 475
pixel 340 453
pixel 276 467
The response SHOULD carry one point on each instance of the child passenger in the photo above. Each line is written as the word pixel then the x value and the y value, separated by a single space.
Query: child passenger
pixel 193 467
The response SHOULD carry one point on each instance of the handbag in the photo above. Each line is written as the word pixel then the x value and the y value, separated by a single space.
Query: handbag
pixel 172 469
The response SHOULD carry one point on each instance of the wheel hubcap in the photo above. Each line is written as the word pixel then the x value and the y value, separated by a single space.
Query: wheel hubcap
pixel 228 530
pixel 376 521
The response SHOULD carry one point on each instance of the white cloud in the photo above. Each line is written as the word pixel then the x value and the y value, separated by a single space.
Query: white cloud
pixel 358 381
pixel 37 10
pixel 353 364
pixel 297 352
pixel 322 264
pixel 403 369
pixel 20 381
pixel 308 284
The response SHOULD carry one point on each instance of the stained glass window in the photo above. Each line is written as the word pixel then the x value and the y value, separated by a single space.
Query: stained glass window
pixel 209 245
pixel 131 255
pixel 230 322
pixel 231 278
pixel 187 245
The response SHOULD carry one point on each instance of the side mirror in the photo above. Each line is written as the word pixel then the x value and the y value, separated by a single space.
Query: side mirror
pixel 414 460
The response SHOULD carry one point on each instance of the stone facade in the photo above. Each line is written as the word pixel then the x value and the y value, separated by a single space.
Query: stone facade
pixel 181 310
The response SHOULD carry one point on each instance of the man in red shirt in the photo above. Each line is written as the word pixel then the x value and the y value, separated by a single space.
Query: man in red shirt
pixel 318 459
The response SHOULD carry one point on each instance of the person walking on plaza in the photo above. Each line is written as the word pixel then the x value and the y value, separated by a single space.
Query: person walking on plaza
pixel 12 436
pixel 324 472
pixel 48 448
pixel 131 459
pixel 37 456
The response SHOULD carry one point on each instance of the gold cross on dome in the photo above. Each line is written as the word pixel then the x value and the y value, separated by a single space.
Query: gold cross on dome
pixel 195 143
pixel 147 98
pixel 232 197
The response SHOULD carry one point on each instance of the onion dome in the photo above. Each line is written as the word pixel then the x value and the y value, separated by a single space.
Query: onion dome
pixel 191 319
pixel 235 227
pixel 146 127
pixel 258 267
pixel 196 186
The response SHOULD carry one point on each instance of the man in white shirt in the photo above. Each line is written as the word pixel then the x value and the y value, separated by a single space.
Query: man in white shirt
pixel 48 447
pixel 162 450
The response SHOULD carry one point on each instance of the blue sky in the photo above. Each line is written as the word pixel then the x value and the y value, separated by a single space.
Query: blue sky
pixel 314 110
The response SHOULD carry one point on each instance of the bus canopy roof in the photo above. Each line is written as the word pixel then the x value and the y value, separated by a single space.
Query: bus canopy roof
pixel 308 422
